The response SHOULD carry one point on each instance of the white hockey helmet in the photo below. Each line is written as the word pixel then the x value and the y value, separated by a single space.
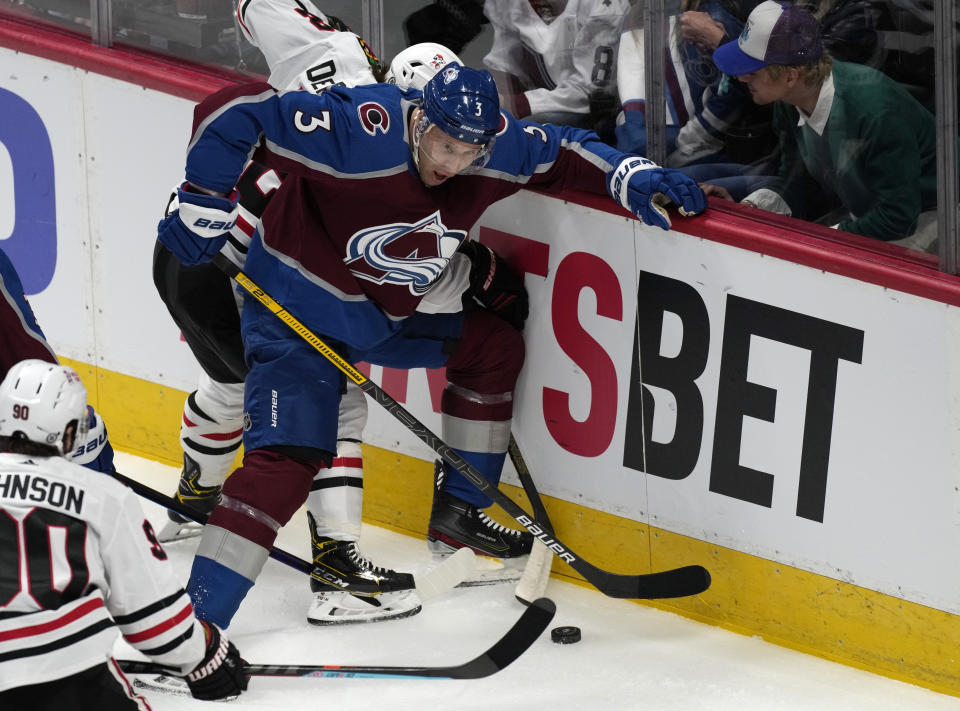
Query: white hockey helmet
pixel 40 400
pixel 415 66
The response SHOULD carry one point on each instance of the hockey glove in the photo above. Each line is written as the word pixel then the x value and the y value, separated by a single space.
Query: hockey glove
pixel 196 225
pixel 494 285
pixel 644 188
pixel 95 452
pixel 220 674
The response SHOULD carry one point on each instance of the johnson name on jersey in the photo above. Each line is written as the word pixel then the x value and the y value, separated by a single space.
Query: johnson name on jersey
pixel 77 558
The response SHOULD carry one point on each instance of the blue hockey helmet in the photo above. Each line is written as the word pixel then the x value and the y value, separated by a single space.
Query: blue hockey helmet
pixel 463 103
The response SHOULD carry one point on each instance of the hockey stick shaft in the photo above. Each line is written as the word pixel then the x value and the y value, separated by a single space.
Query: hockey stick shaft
pixel 447 575
pixel 172 504
pixel 526 481
pixel 679 582
pixel 518 639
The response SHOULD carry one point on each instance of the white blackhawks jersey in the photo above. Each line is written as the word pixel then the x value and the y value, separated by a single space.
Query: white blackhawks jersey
pixel 558 62
pixel 77 560
pixel 302 49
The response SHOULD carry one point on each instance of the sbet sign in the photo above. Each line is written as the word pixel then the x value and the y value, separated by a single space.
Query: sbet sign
pixel 680 371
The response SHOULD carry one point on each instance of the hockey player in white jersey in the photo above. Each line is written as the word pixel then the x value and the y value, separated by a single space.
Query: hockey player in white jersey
pixel 79 560
pixel 548 56
pixel 305 50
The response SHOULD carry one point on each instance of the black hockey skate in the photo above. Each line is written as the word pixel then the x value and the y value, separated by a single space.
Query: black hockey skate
pixel 202 499
pixel 348 588
pixel 456 524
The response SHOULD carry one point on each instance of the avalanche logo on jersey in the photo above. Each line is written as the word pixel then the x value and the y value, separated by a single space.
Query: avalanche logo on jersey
pixel 373 117
pixel 403 254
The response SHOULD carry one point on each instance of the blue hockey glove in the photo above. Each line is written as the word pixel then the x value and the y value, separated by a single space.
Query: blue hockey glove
pixel 196 225
pixel 644 188
pixel 95 452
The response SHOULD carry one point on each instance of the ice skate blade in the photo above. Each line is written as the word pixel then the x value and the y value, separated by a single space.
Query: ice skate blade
pixel 341 608
pixel 173 531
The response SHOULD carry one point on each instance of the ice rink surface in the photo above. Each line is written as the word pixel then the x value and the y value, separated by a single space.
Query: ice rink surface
pixel 631 657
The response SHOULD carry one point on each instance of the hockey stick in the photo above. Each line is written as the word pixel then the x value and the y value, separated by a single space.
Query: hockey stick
pixel 444 577
pixel 678 582
pixel 524 632
pixel 536 573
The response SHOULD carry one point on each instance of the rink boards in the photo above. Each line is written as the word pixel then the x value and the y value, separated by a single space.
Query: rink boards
pixel 764 402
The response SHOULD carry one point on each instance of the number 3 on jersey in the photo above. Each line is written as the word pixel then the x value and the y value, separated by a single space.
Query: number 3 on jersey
pixel 308 123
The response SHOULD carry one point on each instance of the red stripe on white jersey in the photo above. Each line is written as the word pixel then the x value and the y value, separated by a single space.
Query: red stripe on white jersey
pixel 347 463
pixel 160 628
pixel 117 673
pixel 33 630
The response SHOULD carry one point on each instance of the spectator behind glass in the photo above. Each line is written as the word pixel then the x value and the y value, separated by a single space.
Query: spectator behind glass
pixel 549 56
pixel 709 118
pixel 849 31
pixel 845 129
pixel 452 23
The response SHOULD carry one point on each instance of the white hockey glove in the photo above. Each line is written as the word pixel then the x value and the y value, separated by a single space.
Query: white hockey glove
pixel 644 188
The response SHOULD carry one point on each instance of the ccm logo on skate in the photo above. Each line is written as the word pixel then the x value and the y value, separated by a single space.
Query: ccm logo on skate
pixel 545 539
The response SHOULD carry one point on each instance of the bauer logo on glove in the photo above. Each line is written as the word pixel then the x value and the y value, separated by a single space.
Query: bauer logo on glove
pixel 644 188
pixel 196 224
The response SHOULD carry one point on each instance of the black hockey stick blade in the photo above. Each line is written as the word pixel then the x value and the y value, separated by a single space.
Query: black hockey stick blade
pixel 525 631
pixel 679 582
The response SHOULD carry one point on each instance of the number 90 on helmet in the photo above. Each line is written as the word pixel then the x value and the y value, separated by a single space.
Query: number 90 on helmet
pixel 39 400
pixel 463 103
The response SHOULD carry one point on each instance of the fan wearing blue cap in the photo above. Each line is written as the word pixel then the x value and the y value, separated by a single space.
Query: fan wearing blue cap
pixel 865 142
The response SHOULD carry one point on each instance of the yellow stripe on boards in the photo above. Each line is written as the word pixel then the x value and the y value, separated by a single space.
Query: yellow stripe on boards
pixel 784 605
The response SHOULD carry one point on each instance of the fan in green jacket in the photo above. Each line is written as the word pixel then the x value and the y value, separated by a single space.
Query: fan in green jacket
pixel 846 131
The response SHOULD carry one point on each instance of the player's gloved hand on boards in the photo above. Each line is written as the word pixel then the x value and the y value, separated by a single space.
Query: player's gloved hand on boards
pixel 494 285
pixel 220 674
pixel 196 224
pixel 644 188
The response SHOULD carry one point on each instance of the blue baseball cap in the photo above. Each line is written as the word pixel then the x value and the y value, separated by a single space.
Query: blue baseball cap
pixel 775 33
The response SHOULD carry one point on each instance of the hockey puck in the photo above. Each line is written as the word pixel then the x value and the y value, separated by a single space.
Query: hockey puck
pixel 565 635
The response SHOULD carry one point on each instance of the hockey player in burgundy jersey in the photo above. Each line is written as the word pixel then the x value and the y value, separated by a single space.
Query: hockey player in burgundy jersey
pixel 79 559
pixel 409 176
pixel 306 50
pixel 20 339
